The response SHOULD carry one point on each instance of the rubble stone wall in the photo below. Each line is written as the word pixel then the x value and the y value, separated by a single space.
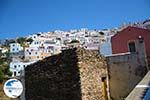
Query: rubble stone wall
pixel 74 74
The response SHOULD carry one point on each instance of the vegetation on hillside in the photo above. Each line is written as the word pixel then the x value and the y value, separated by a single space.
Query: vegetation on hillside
pixel 75 41
pixel 101 33
pixel 30 40
pixel 4 66
pixel 5 57
pixel 1 76
pixel 24 41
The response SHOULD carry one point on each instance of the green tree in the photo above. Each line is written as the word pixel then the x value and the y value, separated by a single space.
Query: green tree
pixel 21 40
pixel 0 54
pixel 29 40
pixel 1 76
pixel 101 33
pixel 9 73
pixel 74 41
pixel 5 69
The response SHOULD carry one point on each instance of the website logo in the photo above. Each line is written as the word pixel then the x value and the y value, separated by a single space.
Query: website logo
pixel 13 88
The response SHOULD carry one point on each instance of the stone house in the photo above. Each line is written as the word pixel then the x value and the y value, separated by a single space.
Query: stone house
pixel 74 74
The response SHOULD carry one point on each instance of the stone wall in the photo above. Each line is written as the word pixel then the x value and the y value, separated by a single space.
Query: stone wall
pixel 74 74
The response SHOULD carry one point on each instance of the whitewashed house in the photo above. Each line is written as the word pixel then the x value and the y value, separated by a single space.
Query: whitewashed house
pixel 36 43
pixel 92 43
pixel 17 67
pixel 15 47
pixel 41 48
pixel 34 36
pixel 105 48
pixel 32 54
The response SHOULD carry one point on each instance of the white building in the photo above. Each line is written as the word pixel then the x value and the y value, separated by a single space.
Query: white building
pixel 15 47
pixel 17 67
pixel 105 48
pixel 34 36
pixel 41 48
pixel 92 43
pixel 35 43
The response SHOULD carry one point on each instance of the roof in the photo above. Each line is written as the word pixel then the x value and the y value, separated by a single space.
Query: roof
pixel 130 28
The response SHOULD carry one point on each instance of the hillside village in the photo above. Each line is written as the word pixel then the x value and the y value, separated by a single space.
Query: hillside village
pixel 18 54
pixel 27 50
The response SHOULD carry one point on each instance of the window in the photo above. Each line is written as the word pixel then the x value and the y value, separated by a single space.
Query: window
pixel 24 66
pixel 13 49
pixel 14 73
pixel 36 53
pixel 15 66
pixel 18 65
pixel 132 47
pixel 29 53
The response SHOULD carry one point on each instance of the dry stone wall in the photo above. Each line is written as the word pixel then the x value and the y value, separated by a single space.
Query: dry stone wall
pixel 74 74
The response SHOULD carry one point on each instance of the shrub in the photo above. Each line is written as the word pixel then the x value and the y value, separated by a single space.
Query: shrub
pixel 30 40
pixel 74 41
pixel 1 76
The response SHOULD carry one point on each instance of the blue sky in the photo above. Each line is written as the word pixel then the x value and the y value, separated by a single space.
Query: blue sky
pixel 22 17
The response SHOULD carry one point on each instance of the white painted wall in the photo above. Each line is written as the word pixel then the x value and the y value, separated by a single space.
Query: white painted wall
pixel 15 47
pixel 105 48
pixel 17 67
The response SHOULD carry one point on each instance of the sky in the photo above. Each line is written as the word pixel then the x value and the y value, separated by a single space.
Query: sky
pixel 24 17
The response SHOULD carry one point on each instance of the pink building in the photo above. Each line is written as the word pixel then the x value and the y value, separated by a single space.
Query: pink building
pixel 124 41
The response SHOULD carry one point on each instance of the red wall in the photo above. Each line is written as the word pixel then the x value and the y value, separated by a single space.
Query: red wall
pixel 121 39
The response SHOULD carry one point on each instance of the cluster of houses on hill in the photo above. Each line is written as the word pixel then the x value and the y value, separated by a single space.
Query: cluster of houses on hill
pixel 51 43
pixel 127 55
pixel 126 49
pixel 45 44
